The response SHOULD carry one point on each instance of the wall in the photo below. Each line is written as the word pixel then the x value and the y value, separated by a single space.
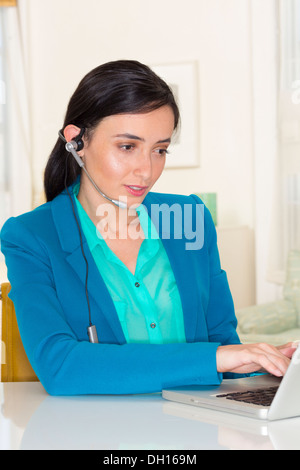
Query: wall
pixel 65 39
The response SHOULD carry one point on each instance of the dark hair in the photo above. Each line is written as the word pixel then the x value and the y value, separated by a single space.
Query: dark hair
pixel 118 87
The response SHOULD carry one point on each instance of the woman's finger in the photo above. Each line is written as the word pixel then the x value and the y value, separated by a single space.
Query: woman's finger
pixel 289 348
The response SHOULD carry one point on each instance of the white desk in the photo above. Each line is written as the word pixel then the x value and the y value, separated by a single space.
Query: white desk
pixel 31 419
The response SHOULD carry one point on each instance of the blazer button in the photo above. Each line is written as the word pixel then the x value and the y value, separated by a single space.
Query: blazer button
pixel 153 325
pixel 137 284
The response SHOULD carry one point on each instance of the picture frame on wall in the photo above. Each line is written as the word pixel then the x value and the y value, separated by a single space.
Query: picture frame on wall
pixel 183 79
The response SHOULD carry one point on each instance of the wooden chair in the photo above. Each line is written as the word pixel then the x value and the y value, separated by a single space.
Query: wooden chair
pixel 15 366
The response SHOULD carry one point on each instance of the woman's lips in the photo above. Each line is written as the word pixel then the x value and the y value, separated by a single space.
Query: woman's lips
pixel 136 190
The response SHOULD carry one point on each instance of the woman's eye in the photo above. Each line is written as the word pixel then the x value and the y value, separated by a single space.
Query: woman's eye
pixel 127 147
pixel 131 147
pixel 162 152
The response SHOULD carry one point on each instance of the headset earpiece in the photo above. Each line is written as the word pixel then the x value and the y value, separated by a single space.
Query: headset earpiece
pixel 79 141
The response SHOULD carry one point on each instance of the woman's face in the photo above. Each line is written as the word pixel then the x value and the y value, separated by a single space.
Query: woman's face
pixel 126 153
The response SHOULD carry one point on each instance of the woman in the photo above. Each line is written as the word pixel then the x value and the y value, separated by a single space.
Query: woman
pixel 158 310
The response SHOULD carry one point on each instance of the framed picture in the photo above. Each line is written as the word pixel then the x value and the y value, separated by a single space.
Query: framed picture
pixel 183 80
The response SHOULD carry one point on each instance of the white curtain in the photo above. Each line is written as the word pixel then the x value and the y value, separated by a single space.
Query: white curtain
pixel 264 51
pixel 285 235
pixel 15 165
pixel 276 129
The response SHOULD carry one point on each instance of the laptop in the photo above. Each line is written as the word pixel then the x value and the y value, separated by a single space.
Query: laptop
pixel 262 396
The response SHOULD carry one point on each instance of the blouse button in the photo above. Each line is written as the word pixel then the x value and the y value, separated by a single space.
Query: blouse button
pixel 137 284
pixel 153 325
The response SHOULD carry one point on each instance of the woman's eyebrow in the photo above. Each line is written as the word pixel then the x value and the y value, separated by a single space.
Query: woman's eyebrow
pixel 135 137
pixel 130 136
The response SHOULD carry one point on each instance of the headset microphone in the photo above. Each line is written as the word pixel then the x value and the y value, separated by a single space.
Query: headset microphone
pixel 77 144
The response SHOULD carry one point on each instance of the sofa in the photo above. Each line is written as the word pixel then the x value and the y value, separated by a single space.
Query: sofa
pixel 275 322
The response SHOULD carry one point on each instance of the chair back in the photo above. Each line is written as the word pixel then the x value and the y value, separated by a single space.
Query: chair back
pixel 15 366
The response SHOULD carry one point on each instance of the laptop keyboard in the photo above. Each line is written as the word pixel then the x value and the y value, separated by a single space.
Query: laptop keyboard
pixel 261 396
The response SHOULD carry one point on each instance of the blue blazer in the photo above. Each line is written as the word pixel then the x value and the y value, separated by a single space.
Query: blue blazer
pixel 47 271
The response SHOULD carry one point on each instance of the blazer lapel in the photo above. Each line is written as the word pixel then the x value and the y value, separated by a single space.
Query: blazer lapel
pixel 181 262
pixel 70 241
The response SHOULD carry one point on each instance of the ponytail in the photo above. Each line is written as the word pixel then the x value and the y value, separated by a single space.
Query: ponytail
pixel 58 167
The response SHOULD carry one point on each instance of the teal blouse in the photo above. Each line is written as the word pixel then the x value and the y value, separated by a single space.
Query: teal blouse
pixel 148 303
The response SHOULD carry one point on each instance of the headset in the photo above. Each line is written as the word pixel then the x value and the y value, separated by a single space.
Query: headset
pixel 74 146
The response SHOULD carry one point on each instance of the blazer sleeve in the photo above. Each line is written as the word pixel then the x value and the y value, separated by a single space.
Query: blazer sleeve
pixel 68 366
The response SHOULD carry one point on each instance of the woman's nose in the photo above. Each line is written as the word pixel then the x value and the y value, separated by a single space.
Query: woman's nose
pixel 143 165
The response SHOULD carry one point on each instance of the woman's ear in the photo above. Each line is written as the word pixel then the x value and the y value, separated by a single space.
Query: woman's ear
pixel 71 131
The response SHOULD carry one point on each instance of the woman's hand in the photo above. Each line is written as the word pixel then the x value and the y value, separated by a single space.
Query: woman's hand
pixel 247 358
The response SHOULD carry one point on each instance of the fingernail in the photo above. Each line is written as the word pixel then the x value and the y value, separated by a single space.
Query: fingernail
pixel 277 373
pixel 295 344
